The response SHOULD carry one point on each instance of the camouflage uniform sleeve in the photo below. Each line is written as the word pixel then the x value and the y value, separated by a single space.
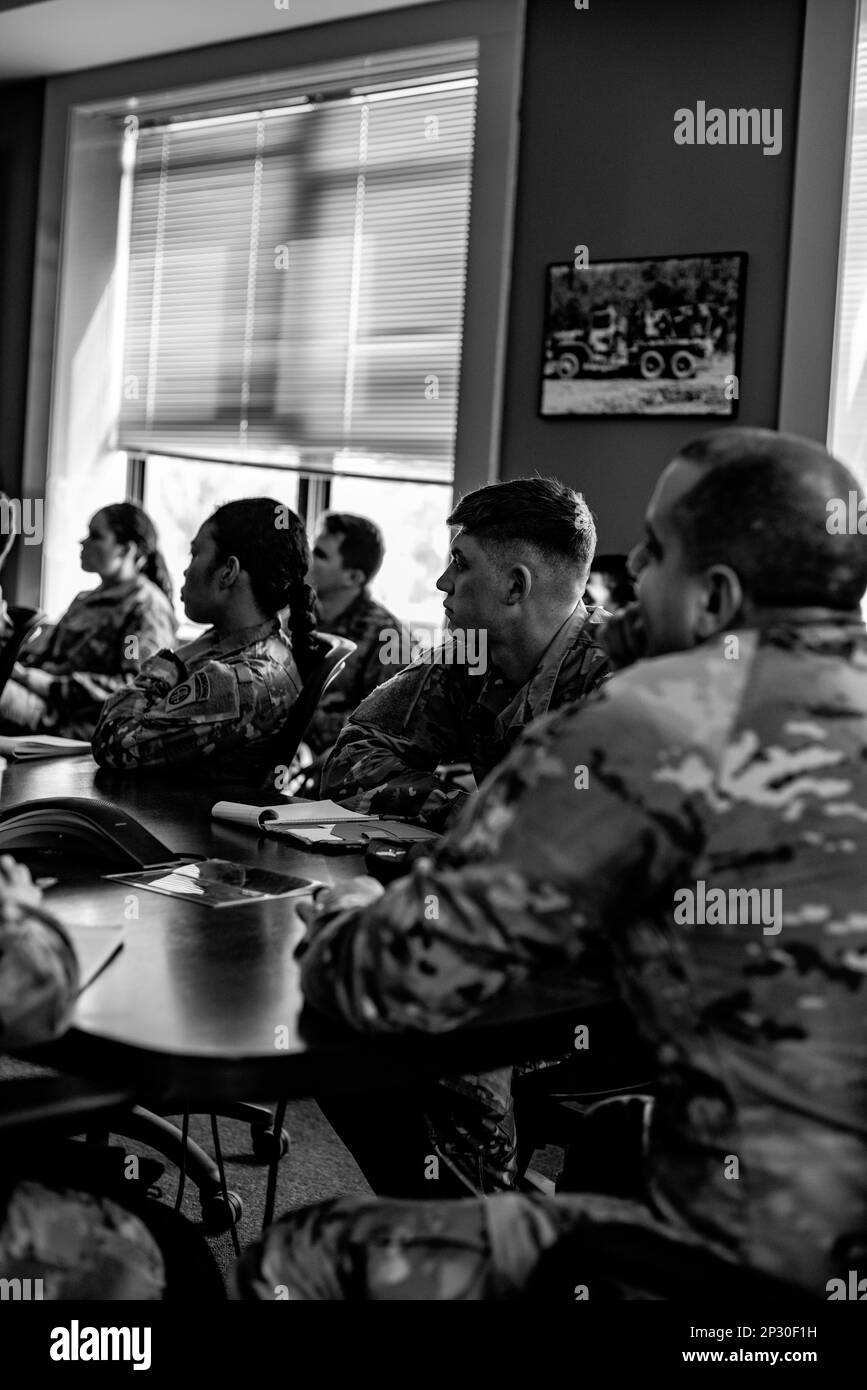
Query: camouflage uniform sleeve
pixel 539 872
pixel 38 975
pixel 171 716
pixel 386 757
pixel 146 629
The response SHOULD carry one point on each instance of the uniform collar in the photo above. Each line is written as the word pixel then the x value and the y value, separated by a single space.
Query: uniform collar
pixel 534 696
pixel 110 593
pixel 244 637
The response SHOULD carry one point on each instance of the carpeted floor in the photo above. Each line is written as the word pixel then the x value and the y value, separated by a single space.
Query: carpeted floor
pixel 317 1166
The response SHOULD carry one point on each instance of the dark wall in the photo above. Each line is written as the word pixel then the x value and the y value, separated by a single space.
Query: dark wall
pixel 20 137
pixel 599 166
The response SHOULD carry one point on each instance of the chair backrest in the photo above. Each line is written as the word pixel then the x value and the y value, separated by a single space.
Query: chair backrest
pixel 25 621
pixel 333 652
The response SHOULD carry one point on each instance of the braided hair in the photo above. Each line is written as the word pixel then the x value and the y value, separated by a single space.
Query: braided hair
pixel 269 542
pixel 130 523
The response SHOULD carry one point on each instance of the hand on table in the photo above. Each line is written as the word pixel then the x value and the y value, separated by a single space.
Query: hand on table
pixel 358 892
pixel 34 680
pixel 17 889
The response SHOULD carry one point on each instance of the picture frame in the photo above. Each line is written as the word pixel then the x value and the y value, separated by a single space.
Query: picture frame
pixel 656 336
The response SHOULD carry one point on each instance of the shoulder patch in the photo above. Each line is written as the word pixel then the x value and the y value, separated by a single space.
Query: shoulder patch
pixel 190 692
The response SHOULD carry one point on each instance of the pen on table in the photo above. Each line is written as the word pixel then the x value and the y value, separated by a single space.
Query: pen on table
pixel 44 883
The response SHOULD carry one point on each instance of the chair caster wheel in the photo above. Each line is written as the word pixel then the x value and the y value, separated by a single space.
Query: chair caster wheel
pixel 265 1141
pixel 219 1213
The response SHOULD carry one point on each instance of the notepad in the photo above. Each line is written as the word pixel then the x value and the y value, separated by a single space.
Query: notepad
pixel 24 748
pixel 289 814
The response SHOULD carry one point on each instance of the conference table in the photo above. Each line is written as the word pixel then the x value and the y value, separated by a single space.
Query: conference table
pixel 201 1005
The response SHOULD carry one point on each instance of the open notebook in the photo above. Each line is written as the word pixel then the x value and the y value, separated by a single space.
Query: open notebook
pixel 23 748
pixel 317 822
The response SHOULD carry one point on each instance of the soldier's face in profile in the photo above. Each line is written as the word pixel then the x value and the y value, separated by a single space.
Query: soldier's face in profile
pixel 200 592
pixel 472 585
pixel 670 597
pixel 100 552
pixel 327 573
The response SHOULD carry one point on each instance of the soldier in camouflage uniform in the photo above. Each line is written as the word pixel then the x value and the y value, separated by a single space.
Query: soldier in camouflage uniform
pixel 513 587
pixel 219 702
pixel 347 554
pixel 691 842
pixel 64 676
pixel 78 1244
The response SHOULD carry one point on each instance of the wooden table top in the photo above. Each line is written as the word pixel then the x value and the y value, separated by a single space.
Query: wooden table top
pixel 204 1004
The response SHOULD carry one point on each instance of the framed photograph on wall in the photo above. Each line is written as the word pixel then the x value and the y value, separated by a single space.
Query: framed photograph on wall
pixel 660 336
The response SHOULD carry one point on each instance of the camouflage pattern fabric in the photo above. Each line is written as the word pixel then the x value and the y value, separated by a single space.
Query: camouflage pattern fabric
pixel 78 1245
pixel 433 712
pixel 216 703
pixel 91 655
pixel 732 777
pixel 362 623
pixel 38 974
pixel 359 1248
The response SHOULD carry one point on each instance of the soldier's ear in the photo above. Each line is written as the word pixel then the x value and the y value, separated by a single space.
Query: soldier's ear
pixel 723 602
pixel 519 584
pixel 229 572
pixel 357 576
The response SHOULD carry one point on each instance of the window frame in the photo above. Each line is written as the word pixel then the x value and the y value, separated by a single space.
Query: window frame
pixel 497 26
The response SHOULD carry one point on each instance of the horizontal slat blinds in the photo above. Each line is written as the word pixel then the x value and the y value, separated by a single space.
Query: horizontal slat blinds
pixel 296 282
pixel 848 434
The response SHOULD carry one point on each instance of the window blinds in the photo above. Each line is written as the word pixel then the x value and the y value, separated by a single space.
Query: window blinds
pixel 848 432
pixel 296 281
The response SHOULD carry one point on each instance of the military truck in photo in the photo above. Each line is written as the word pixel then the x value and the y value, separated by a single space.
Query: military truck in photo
pixel 653 343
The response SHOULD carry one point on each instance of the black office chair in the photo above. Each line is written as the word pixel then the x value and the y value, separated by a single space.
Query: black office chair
pixel 25 623
pixel 39 1115
pixel 325 668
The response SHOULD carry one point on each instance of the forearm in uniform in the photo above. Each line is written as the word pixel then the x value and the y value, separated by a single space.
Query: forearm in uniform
pixel 221 705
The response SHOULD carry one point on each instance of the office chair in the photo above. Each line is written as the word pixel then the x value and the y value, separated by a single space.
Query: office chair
pixel 326 667
pixel 39 1115
pixel 25 622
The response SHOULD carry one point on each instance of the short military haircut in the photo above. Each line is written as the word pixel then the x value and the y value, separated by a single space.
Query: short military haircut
pixel 361 544
pixel 760 506
pixel 540 512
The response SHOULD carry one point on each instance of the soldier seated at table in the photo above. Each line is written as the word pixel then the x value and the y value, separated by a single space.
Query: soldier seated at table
pixel 62 678
pixel 217 702
pixel 347 554
pixel 691 842
pixel 70 1244
pixel 525 644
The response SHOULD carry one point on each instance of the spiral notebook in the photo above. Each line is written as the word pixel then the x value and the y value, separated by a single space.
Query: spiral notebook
pixel 289 814
pixel 322 824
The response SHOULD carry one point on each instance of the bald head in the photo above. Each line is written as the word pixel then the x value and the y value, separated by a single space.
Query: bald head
pixel 758 501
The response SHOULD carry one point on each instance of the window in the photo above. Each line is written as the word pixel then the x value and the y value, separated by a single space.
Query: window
pixel 847 429
pixel 847 421
pixel 166 354
pixel 294 299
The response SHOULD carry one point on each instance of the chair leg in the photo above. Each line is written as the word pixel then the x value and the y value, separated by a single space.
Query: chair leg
pixel 267 1144
pixel 220 1209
